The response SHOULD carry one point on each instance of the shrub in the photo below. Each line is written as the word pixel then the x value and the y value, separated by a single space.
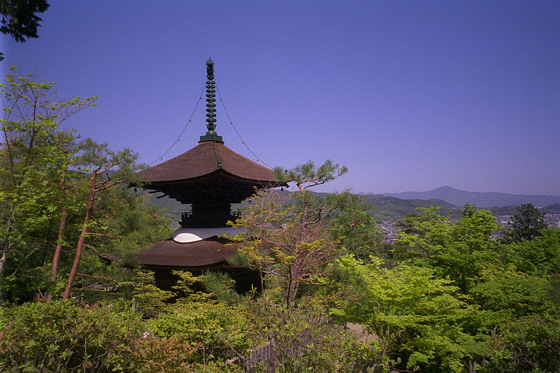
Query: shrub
pixel 60 336
pixel 218 331
pixel 148 354
pixel 301 339
pixel 528 344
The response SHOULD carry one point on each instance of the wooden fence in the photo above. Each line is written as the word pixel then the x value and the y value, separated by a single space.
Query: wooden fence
pixel 263 357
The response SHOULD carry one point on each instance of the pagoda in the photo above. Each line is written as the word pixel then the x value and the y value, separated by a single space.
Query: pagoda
pixel 209 178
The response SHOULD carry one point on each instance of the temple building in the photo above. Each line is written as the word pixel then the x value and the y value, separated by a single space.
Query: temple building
pixel 209 178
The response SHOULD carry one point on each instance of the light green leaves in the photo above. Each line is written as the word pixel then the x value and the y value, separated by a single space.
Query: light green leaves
pixel 408 309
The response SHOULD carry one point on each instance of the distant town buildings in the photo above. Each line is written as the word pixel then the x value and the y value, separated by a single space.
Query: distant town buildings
pixel 390 230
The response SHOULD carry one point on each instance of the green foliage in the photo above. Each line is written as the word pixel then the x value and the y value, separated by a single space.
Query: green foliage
pixel 108 170
pixel 148 298
pixel 154 355
pixel 540 256
pixel 59 336
pixel 354 228
pixel 528 344
pixel 220 285
pixel 302 339
pixel 264 215
pixel 121 224
pixel 416 316
pixel 308 175
pixel 505 294
pixel 508 283
pixel 454 295
pixel 20 20
pixel 298 253
pixel 526 224
pixel 458 250
pixel 125 222
pixel 218 331
pixel 33 158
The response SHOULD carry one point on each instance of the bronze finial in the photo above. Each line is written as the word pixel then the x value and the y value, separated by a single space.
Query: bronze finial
pixel 210 104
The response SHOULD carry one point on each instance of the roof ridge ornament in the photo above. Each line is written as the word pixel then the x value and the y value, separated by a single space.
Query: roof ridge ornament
pixel 211 134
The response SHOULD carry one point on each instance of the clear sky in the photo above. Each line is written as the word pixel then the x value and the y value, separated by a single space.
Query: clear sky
pixel 409 95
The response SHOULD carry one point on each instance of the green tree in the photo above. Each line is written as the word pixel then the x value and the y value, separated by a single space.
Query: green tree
pixel 291 240
pixel 459 250
pixel 527 344
pixel 309 175
pixel 415 317
pixel 19 18
pixel 99 160
pixel 263 217
pixel 527 223
pixel 68 202
pixel 511 285
pixel 44 195
pixel 540 256
pixel 354 228
pixel 34 155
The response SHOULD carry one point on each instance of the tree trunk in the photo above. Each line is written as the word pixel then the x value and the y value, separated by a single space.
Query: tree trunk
pixel 61 227
pixel 3 262
pixel 7 245
pixel 81 240
pixel 289 290
pixel 58 249
pixel 293 283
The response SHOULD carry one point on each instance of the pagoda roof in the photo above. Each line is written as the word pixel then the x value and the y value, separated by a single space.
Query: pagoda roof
pixel 209 169
pixel 204 253
pixel 205 159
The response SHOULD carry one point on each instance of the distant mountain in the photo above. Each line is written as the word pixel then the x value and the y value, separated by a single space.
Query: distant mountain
pixel 383 208
pixel 552 209
pixel 458 197
pixel 386 208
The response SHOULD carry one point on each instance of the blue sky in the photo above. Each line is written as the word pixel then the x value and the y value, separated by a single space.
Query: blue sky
pixel 409 95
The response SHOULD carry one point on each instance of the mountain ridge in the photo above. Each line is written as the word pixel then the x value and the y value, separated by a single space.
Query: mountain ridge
pixel 458 197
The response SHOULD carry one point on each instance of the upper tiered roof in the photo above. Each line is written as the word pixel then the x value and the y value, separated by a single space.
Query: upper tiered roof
pixel 209 170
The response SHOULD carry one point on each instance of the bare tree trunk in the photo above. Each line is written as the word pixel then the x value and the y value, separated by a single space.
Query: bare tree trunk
pixel 7 245
pixel 58 249
pixel 296 267
pixel 261 277
pixel 81 240
pixel 61 227
pixel 3 262
pixel 289 289
pixel 293 283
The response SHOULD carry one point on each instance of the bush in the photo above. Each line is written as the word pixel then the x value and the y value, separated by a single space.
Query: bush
pixel 302 339
pixel 60 336
pixel 529 344
pixel 149 354
pixel 218 331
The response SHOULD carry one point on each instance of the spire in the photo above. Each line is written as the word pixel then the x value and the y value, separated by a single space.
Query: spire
pixel 210 104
